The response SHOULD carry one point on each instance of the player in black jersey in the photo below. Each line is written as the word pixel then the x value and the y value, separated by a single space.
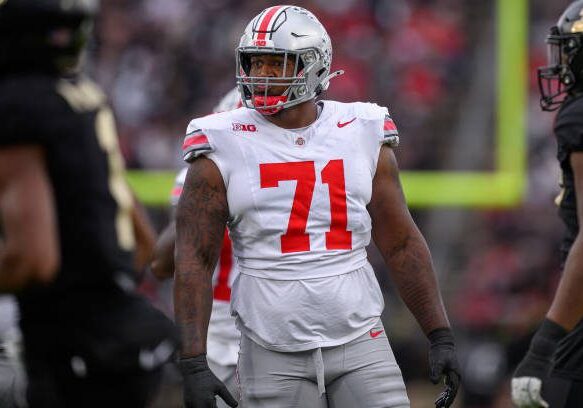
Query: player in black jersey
pixel 553 365
pixel 68 238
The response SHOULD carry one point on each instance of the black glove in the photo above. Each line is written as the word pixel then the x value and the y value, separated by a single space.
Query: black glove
pixel 537 362
pixel 527 381
pixel 201 385
pixel 443 362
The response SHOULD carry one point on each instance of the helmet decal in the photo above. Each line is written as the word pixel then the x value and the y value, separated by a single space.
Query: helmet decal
pixel 266 21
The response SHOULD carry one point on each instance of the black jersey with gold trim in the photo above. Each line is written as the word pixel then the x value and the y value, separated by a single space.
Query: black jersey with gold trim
pixel 569 133
pixel 71 120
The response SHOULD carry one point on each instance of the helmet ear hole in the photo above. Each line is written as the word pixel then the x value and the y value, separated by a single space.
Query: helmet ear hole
pixel 572 45
pixel 319 74
pixel 568 78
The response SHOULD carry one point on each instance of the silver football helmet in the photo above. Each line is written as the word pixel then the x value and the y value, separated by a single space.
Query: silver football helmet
pixel 295 33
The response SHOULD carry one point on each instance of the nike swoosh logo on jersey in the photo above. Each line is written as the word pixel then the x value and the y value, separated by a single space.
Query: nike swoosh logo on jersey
pixel 341 125
pixel 375 334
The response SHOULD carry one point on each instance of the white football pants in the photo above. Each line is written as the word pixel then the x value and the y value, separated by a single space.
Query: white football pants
pixel 362 373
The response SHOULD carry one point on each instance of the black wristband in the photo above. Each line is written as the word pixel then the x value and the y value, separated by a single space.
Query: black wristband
pixel 443 335
pixel 192 365
pixel 547 337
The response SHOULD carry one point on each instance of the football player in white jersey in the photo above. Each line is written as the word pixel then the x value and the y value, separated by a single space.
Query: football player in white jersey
pixel 302 186
pixel 223 336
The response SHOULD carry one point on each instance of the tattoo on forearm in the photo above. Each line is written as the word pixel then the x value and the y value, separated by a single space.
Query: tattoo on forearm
pixel 403 247
pixel 200 221
pixel 412 271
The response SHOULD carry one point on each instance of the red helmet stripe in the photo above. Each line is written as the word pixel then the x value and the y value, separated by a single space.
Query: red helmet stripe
pixel 262 30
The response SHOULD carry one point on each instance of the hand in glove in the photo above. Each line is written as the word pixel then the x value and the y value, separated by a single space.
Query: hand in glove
pixel 528 378
pixel 443 363
pixel 201 385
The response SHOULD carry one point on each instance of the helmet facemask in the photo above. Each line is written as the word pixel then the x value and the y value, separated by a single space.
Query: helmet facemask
pixel 255 90
pixel 558 78
pixel 44 36
pixel 48 42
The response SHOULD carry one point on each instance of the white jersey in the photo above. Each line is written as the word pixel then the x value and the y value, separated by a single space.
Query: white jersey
pixel 9 317
pixel 297 201
pixel 223 335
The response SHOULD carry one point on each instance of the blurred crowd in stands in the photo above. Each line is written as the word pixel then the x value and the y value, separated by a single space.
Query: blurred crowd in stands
pixel 431 62
pixel 165 62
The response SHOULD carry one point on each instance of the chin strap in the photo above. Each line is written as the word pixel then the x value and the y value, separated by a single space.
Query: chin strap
pixel 326 81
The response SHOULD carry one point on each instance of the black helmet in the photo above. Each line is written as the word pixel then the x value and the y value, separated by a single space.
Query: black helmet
pixel 43 35
pixel 564 74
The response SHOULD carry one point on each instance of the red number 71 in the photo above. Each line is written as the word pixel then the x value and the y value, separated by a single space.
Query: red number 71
pixel 295 238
